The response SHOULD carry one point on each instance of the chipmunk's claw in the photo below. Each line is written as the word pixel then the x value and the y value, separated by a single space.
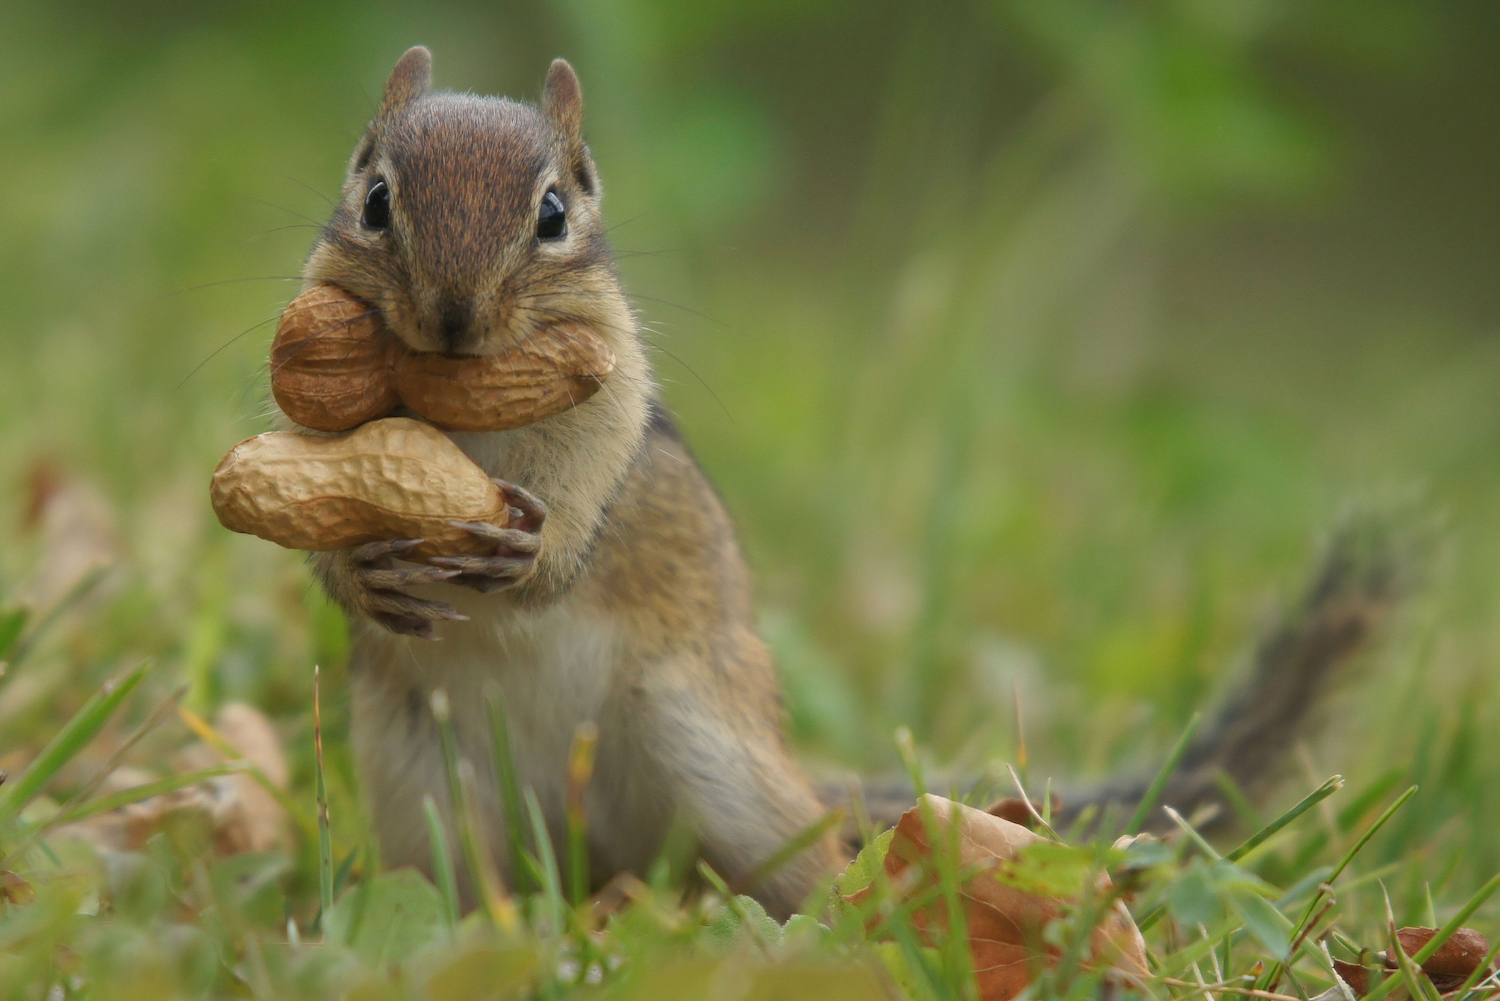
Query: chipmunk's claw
pixel 380 584
pixel 514 549
pixel 530 507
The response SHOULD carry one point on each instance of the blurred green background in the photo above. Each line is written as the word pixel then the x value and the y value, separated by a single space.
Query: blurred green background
pixel 1033 344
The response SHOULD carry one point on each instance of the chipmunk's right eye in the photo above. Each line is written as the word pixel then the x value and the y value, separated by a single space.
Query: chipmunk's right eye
pixel 378 206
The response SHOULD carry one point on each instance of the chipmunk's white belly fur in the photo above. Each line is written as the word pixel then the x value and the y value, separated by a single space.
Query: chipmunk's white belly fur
pixel 552 669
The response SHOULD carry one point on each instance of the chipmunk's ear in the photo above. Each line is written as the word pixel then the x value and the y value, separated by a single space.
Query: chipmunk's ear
pixel 411 78
pixel 562 99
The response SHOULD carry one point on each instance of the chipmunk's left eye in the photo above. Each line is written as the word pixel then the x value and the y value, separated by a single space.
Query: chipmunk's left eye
pixel 552 219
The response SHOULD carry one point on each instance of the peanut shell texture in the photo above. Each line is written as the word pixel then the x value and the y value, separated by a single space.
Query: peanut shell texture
pixel 334 366
pixel 330 362
pixel 388 479
pixel 548 373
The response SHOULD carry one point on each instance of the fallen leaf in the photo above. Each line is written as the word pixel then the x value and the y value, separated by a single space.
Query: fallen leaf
pixel 1457 957
pixel 14 889
pixel 1005 922
pixel 242 816
pixel 1356 976
pixel 246 818
pixel 1448 968
pixel 1016 810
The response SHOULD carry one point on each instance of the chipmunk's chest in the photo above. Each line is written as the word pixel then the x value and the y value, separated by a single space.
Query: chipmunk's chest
pixel 551 670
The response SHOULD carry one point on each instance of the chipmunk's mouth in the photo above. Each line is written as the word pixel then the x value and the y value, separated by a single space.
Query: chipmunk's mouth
pixel 335 366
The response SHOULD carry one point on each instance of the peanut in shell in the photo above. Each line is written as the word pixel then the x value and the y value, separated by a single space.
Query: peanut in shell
pixel 330 362
pixel 334 366
pixel 550 372
pixel 388 479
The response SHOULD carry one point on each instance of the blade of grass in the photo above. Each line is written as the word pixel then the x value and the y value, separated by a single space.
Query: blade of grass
pixel 1227 987
pixel 580 770
pixel 551 878
pixel 883 902
pixel 1456 922
pixel 1443 934
pixel 105 771
pixel 12 624
pixel 1365 801
pixel 1030 806
pixel 497 902
pixel 1212 954
pixel 1312 799
pixel 1192 833
pixel 942 840
pixel 74 736
pixel 325 832
pixel 482 874
pixel 1273 975
pixel 145 791
pixel 1159 783
pixel 442 859
pixel 906 747
pixel 345 868
pixel 1417 983
pixel 1022 758
pixel 25 644
pixel 508 780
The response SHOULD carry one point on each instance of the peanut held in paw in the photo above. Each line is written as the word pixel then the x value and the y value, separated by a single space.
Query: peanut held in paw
pixel 333 367
pixel 388 479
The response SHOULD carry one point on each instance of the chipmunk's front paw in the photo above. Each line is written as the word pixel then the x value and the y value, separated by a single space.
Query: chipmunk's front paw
pixel 379 583
pixel 515 548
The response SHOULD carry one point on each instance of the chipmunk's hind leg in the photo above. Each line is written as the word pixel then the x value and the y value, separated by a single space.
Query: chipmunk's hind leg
pixel 733 777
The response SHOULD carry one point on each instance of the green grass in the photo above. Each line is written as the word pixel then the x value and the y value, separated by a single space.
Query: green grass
pixel 178 920
pixel 1032 346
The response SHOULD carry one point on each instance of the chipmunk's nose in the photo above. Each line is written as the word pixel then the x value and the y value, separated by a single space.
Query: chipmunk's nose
pixel 455 321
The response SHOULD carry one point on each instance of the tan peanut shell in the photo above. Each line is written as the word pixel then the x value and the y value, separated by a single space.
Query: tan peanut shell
pixel 330 362
pixel 333 367
pixel 551 371
pixel 388 479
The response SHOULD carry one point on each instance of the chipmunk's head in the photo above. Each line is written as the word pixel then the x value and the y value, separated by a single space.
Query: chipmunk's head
pixel 473 222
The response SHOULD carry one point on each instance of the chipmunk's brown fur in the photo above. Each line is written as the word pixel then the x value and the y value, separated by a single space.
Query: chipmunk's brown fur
pixel 621 597
pixel 627 604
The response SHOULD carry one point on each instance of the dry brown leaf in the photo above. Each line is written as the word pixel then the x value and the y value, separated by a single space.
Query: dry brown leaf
pixel 14 889
pixel 1457 957
pixel 1016 810
pixel 249 819
pixel 1004 923
pixel 128 828
pixel 242 816
pixel 1356 976
pixel 1448 968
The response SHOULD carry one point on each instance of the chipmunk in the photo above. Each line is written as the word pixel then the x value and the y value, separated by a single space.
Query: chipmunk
pixel 619 595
